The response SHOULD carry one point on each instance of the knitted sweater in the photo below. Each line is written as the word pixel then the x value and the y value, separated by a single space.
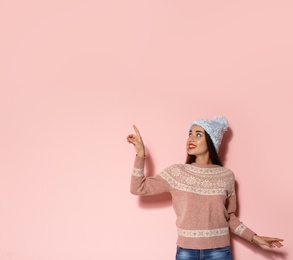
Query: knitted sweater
pixel 203 199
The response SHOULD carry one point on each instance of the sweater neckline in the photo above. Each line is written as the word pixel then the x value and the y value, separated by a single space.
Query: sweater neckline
pixel 209 169
pixel 205 166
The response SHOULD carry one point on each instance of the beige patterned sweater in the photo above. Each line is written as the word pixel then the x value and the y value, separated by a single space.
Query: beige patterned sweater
pixel 203 199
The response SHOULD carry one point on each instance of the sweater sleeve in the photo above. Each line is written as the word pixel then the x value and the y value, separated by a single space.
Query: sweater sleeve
pixel 236 226
pixel 141 185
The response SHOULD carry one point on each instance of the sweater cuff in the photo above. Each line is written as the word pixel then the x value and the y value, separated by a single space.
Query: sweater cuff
pixel 248 234
pixel 139 162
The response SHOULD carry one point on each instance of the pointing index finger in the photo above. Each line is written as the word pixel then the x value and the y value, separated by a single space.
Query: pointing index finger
pixel 136 130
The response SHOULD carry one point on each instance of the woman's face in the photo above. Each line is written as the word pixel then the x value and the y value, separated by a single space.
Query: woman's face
pixel 196 142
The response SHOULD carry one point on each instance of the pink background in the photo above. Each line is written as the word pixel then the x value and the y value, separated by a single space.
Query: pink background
pixel 77 74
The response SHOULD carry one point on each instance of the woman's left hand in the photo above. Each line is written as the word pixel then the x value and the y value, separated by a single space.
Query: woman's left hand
pixel 267 241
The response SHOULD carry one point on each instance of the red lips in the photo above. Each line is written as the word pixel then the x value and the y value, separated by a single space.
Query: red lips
pixel 191 146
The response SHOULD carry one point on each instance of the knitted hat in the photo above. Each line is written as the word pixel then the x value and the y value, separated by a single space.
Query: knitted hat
pixel 214 127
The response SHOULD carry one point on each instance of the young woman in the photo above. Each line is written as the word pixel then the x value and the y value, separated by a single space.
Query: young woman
pixel 202 192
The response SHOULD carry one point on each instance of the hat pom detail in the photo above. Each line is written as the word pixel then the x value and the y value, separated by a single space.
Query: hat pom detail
pixel 222 121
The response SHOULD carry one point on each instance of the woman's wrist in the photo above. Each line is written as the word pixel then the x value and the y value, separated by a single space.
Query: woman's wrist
pixel 252 239
pixel 141 155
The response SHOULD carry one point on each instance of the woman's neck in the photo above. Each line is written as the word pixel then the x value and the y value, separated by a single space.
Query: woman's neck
pixel 203 160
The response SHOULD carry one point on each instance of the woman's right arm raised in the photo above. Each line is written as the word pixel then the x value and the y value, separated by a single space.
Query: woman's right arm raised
pixel 141 185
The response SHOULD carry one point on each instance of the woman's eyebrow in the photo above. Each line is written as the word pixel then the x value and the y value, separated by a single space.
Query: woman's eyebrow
pixel 198 131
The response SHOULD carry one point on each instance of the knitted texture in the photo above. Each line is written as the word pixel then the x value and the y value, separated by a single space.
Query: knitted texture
pixel 203 199
pixel 214 127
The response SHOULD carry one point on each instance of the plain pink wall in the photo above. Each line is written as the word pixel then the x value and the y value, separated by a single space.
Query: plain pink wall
pixel 77 74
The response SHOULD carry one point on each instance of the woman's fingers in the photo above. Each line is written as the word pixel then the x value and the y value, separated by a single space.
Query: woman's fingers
pixel 268 241
pixel 276 242
pixel 136 140
pixel 136 131
pixel 131 138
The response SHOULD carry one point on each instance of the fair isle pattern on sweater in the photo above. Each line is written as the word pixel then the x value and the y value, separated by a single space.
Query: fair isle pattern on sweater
pixel 202 181
pixel 137 172
pixel 203 199
pixel 203 233
pixel 239 230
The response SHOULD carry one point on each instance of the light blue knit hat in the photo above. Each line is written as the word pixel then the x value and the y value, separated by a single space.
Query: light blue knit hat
pixel 214 127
